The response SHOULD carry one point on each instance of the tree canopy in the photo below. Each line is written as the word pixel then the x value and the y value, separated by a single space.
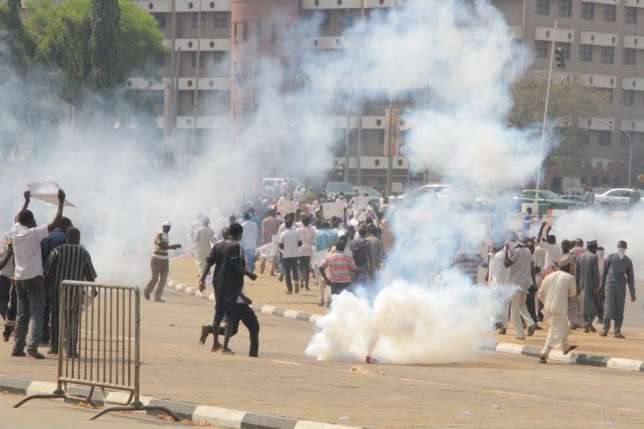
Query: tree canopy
pixel 568 100
pixel 96 44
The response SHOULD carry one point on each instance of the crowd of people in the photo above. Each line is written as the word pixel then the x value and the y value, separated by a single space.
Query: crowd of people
pixel 35 260
pixel 569 284
pixel 300 245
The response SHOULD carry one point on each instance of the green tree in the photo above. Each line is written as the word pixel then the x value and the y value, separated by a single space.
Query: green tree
pixel 21 47
pixel 74 37
pixel 569 101
pixel 105 67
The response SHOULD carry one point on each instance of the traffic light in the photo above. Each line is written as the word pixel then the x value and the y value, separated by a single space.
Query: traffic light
pixel 560 58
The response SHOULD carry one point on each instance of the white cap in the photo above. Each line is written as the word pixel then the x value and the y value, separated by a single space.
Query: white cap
pixel 166 223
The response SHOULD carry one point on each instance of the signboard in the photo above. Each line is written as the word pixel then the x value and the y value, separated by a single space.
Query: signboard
pixel 47 192
pixel 334 209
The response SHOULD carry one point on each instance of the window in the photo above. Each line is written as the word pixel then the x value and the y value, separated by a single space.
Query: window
pixel 607 54
pixel 541 48
pixel 565 8
pixel 628 98
pixel 583 137
pixel 324 17
pixel 588 11
pixel 160 60
pixel 543 7
pixel 194 61
pixel 610 12
pixel 347 19
pixel 586 53
pixel 630 15
pixel 565 47
pixel 259 31
pixel 160 17
pixel 623 140
pixel 629 57
pixel 244 31
pixel 605 138
pixel 273 33
pixel 221 20
pixel 198 21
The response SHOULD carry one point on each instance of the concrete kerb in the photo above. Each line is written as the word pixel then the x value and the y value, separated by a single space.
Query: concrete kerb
pixel 220 417
pixel 507 348
pixel 261 308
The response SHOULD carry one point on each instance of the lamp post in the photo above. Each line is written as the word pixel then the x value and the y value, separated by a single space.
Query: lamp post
pixel 630 148
pixel 545 116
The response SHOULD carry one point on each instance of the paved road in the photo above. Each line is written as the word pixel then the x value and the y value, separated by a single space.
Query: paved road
pixel 500 391
pixel 57 415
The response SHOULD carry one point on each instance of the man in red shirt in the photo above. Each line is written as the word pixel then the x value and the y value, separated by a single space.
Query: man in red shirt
pixel 340 268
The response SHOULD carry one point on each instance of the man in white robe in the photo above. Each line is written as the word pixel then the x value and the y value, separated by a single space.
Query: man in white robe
pixel 499 277
pixel 555 290
pixel 204 238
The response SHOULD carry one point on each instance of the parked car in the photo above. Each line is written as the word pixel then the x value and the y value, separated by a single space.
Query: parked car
pixel 436 189
pixel 549 200
pixel 271 186
pixel 368 191
pixel 618 198
pixel 574 197
pixel 334 189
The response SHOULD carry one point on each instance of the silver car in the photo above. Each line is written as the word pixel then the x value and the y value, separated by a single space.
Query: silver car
pixel 618 198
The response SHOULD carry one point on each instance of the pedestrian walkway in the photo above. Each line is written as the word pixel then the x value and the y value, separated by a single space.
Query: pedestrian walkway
pixel 267 290
pixel 498 390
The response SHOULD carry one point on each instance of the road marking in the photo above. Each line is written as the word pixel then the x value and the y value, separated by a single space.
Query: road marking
pixel 286 362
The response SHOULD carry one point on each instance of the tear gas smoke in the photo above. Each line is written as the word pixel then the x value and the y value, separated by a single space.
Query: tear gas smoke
pixel 422 310
pixel 607 228
pixel 453 61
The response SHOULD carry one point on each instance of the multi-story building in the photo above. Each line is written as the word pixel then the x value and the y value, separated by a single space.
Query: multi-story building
pixel 603 45
pixel 214 43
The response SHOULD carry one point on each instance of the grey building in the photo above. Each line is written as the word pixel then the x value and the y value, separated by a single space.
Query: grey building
pixel 603 44
pixel 600 39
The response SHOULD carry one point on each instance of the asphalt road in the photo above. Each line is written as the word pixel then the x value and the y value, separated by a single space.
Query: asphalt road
pixel 496 391
pixel 52 414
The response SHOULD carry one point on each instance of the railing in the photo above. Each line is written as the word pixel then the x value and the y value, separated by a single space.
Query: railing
pixel 99 343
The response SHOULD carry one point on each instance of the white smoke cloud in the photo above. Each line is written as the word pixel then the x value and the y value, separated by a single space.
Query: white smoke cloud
pixel 422 310
pixel 607 228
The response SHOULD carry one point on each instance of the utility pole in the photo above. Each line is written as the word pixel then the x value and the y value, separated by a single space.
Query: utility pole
pixel 170 87
pixel 545 117
pixel 347 141
pixel 195 95
pixel 361 101
pixel 389 137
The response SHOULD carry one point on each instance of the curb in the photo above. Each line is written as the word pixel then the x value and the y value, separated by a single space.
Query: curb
pixel 261 308
pixel 507 348
pixel 220 417
pixel 571 358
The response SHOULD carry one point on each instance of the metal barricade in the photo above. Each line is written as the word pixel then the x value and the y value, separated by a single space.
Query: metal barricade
pixel 99 343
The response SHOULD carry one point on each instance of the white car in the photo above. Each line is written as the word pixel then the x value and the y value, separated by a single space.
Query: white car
pixel 618 198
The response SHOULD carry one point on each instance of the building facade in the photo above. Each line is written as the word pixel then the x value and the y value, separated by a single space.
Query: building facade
pixel 203 88
pixel 603 46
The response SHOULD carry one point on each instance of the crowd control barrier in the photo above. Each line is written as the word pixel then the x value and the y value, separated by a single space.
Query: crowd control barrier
pixel 99 344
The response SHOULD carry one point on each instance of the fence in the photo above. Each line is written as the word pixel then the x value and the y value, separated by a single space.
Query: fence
pixel 99 343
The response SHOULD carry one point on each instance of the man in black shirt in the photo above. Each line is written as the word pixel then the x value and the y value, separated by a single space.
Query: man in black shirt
pixel 228 281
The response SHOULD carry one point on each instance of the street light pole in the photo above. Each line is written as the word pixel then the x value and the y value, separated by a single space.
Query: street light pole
pixel 545 116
